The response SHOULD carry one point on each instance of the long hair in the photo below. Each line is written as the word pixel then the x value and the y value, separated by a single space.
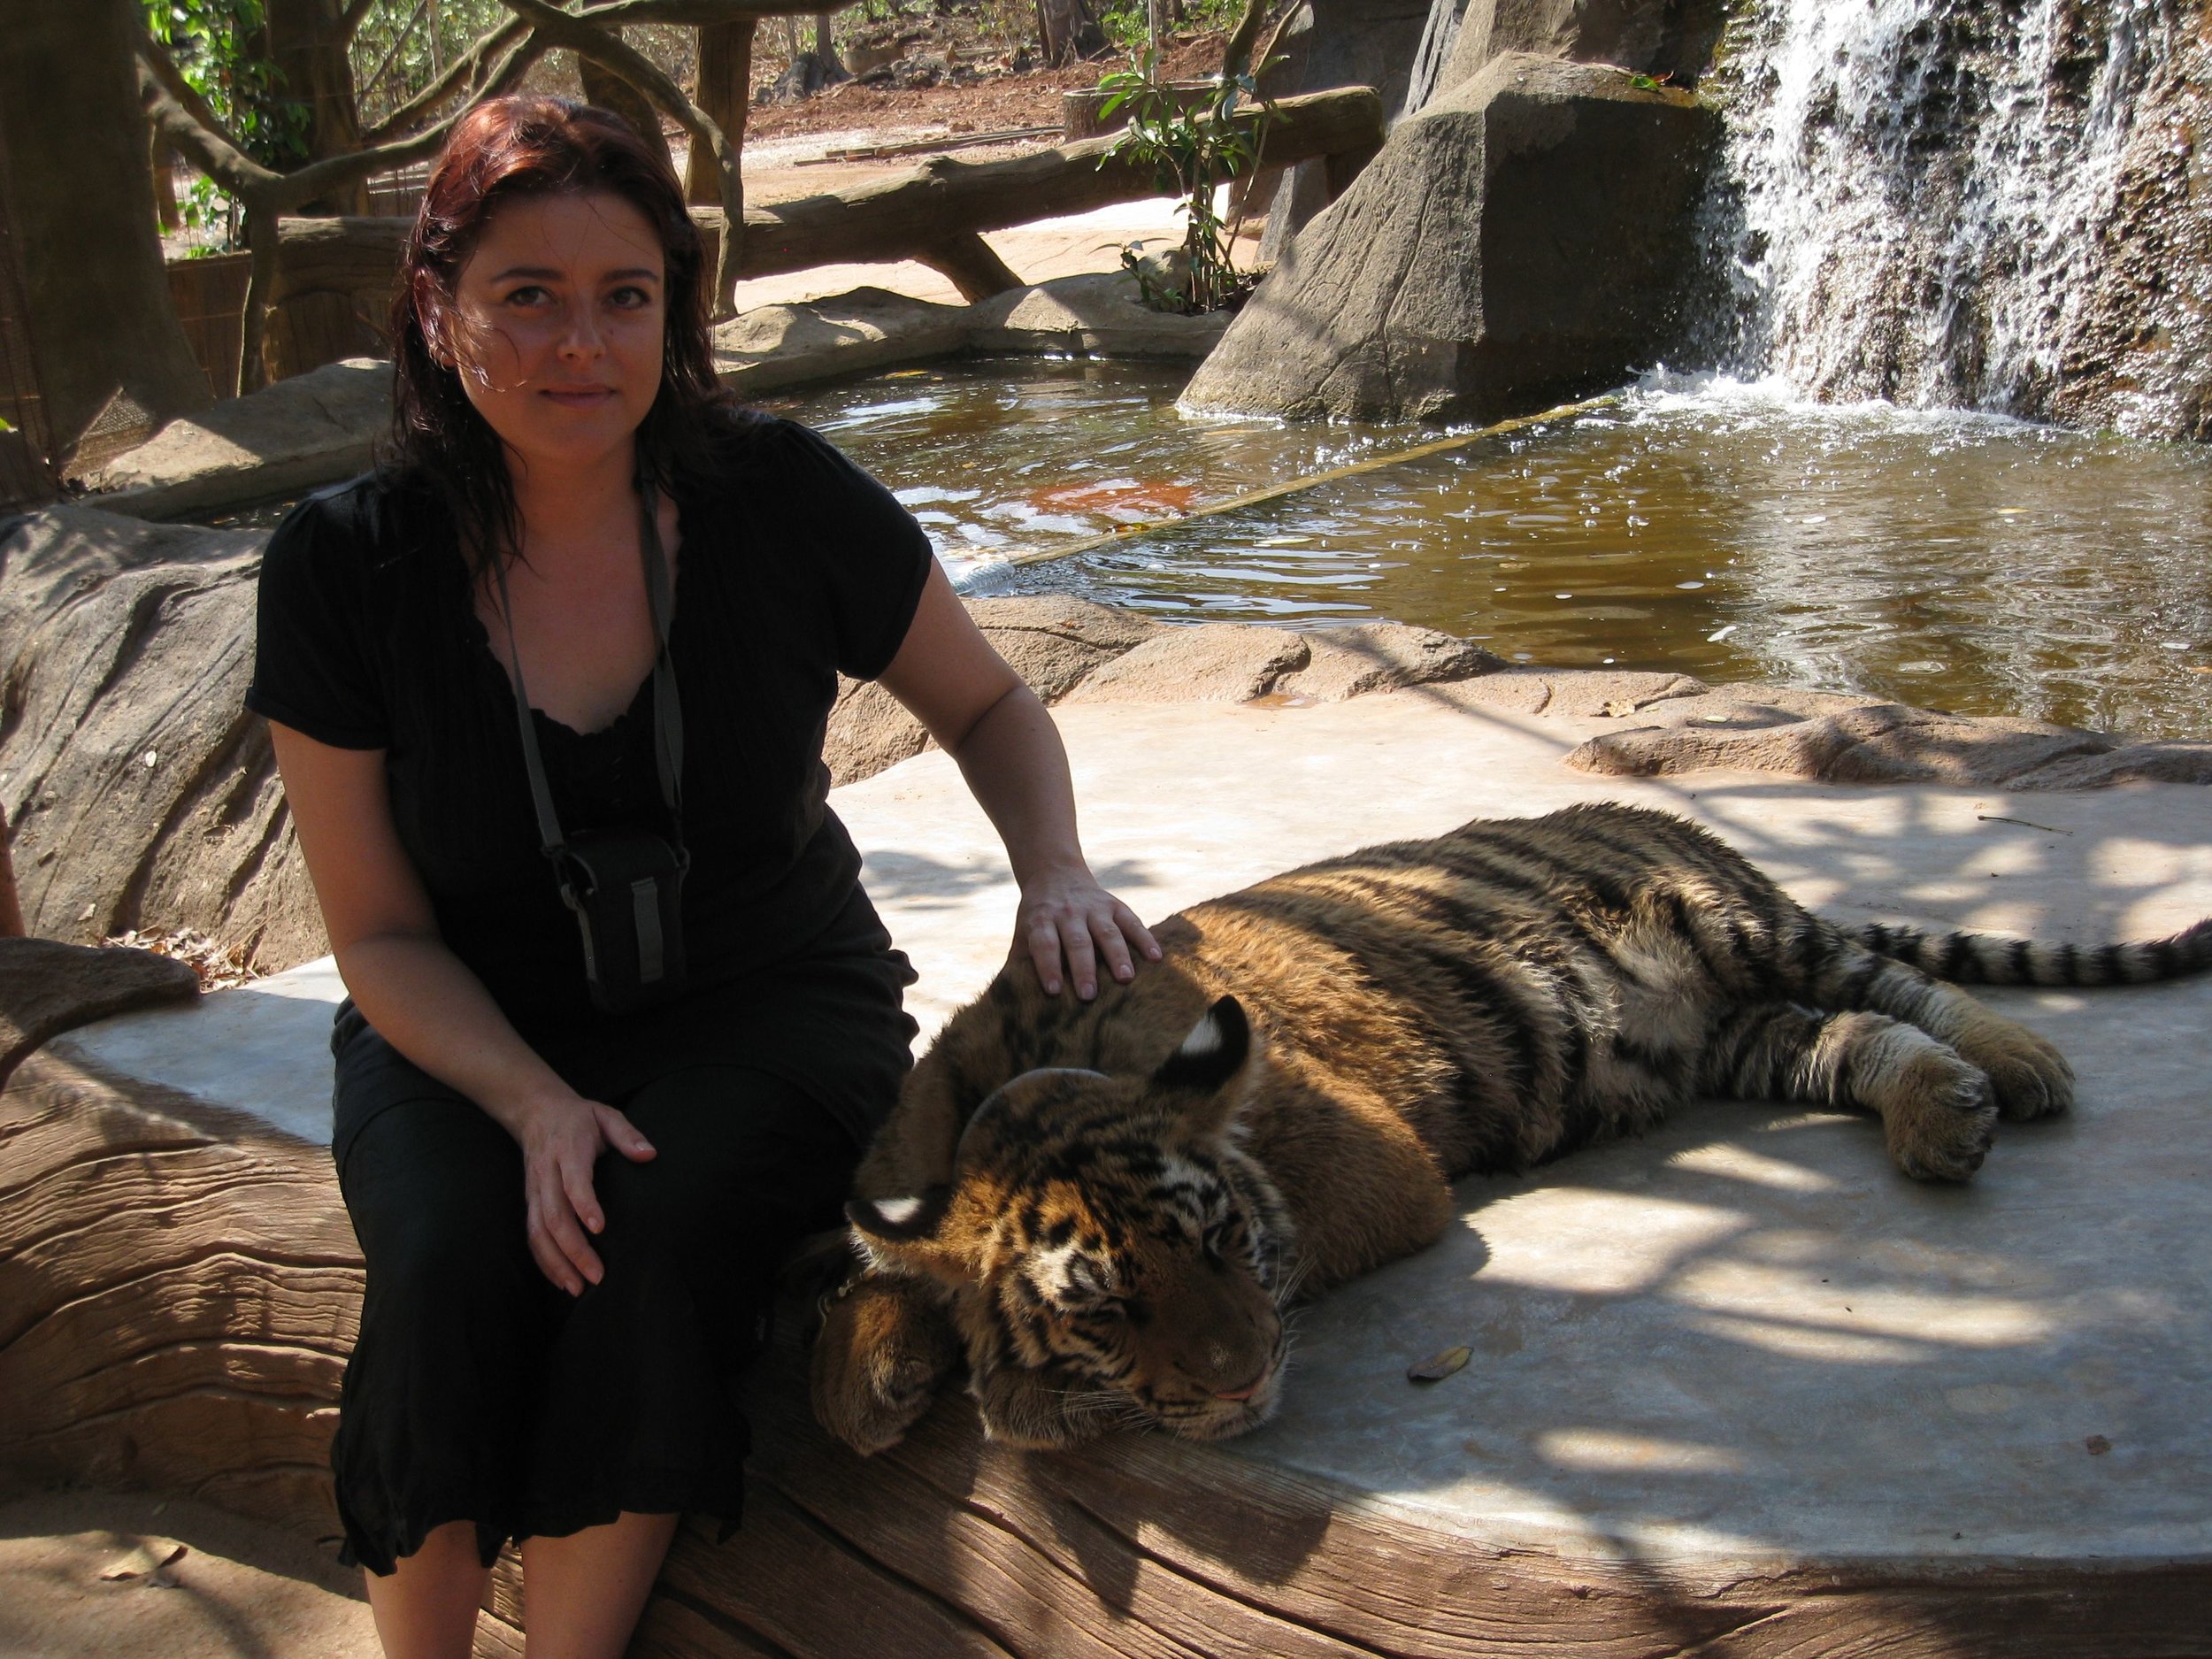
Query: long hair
pixel 500 151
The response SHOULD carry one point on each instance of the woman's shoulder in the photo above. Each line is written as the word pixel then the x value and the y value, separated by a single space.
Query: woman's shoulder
pixel 751 447
pixel 360 522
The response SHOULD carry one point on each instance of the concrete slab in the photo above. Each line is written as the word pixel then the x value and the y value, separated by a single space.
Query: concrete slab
pixel 1741 1346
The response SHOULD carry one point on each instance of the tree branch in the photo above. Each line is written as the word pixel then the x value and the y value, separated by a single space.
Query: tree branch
pixel 351 19
pixel 463 67
pixel 186 96
pixel 563 28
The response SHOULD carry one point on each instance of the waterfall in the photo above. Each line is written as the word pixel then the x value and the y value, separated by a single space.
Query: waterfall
pixel 1916 198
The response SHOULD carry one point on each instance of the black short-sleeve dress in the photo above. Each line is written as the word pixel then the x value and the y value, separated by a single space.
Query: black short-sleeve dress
pixel 477 1391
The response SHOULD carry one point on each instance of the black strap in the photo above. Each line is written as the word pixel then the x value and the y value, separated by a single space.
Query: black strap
pixel 668 715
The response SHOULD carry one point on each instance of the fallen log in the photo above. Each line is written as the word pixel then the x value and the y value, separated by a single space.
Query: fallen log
pixel 333 283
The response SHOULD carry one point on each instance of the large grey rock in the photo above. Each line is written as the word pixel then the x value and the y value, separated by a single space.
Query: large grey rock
pixel 2138 355
pixel 141 793
pixel 1216 662
pixel 850 334
pixel 278 441
pixel 1670 38
pixel 1517 243
pixel 46 987
pixel 1094 314
pixel 1382 657
pixel 1054 642
pixel 1755 729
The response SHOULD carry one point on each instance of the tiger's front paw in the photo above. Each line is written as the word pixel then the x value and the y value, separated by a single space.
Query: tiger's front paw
pixel 1029 1410
pixel 1940 1118
pixel 885 1349
pixel 2028 1075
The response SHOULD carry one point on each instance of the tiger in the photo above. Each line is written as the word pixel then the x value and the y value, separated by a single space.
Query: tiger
pixel 1100 1210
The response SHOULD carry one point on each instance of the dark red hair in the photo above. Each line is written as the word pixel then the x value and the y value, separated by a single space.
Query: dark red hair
pixel 503 149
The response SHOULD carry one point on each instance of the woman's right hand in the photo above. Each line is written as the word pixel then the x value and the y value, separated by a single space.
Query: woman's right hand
pixel 561 1136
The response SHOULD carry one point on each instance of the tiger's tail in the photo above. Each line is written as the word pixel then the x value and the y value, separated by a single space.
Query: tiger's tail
pixel 1982 959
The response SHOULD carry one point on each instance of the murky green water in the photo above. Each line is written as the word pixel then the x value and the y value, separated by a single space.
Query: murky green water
pixel 1955 561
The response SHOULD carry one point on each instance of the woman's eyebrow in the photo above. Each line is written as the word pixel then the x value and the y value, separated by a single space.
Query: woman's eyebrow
pixel 547 273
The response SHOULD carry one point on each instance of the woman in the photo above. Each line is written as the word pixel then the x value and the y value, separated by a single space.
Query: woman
pixel 590 610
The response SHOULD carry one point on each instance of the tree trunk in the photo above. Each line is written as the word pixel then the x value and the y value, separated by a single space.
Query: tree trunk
pixel 609 91
pixel 725 94
pixel 164 163
pixel 1069 30
pixel 825 49
pixel 102 329
pixel 310 53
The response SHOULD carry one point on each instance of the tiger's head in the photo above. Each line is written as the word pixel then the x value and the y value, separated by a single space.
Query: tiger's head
pixel 1110 1252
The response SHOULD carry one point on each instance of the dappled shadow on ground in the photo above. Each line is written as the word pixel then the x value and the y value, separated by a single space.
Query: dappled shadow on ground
pixel 1738 1383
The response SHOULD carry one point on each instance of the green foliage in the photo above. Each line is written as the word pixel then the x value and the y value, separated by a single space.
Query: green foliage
pixel 1123 20
pixel 220 47
pixel 1192 144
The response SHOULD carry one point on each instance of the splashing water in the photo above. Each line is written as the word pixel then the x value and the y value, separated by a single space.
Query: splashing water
pixel 1911 193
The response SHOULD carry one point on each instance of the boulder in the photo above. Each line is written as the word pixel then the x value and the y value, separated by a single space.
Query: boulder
pixel 1672 40
pixel 1216 662
pixel 2136 354
pixel 850 334
pixel 1873 742
pixel 141 793
pixel 1096 314
pixel 278 441
pixel 1381 657
pixel 1053 642
pixel 1518 243
pixel 48 987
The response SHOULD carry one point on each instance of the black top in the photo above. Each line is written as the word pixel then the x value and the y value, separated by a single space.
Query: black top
pixel 795 567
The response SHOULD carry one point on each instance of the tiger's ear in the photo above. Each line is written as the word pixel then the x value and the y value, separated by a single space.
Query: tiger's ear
pixel 1209 1063
pixel 905 1233
pixel 896 1221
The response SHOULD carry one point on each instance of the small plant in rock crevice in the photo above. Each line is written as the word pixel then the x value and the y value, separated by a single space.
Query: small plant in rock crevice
pixel 1192 145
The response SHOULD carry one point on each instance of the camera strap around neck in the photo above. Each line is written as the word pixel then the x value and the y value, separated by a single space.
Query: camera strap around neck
pixel 668 716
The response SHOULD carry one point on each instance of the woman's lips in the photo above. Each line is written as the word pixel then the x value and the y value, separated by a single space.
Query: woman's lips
pixel 577 397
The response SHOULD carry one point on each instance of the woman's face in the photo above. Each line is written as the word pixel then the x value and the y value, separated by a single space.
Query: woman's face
pixel 560 318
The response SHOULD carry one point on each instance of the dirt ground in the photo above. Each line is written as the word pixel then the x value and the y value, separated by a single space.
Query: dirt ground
pixel 82 1576
pixel 1000 100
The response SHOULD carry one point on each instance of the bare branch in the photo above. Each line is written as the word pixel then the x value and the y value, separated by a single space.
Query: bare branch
pixel 188 96
pixel 614 14
pixel 464 68
pixel 206 147
pixel 568 29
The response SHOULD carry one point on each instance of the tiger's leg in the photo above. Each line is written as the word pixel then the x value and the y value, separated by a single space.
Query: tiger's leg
pixel 1936 1114
pixel 2029 1076
pixel 886 1346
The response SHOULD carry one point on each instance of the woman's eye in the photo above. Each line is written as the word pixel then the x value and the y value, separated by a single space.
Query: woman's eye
pixel 532 295
pixel 631 299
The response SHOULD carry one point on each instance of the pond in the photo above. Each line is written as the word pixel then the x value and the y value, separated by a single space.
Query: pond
pixel 1956 561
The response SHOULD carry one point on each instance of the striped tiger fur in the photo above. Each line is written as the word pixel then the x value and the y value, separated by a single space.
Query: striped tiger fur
pixel 1100 1208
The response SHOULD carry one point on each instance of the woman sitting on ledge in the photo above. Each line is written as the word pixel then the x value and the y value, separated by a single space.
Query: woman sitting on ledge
pixel 563 665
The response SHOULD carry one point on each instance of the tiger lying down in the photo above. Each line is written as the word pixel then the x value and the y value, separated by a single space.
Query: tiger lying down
pixel 1099 1209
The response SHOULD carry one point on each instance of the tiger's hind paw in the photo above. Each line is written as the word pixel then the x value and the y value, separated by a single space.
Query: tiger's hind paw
pixel 1941 1119
pixel 2030 1078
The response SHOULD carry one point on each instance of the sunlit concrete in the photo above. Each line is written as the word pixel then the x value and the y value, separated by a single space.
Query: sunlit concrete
pixel 1742 1338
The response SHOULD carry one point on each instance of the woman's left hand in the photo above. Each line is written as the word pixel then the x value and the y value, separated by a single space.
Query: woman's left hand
pixel 1068 920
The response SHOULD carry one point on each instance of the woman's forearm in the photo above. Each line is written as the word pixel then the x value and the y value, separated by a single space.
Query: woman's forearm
pixel 426 1003
pixel 1018 771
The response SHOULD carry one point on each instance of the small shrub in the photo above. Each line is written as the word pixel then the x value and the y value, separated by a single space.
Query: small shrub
pixel 1191 150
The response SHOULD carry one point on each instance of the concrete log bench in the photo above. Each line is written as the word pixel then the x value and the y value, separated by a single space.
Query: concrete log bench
pixel 1736 1388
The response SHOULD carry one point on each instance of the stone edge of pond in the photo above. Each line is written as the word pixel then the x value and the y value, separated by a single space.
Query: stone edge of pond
pixel 320 427
pixel 1076 650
